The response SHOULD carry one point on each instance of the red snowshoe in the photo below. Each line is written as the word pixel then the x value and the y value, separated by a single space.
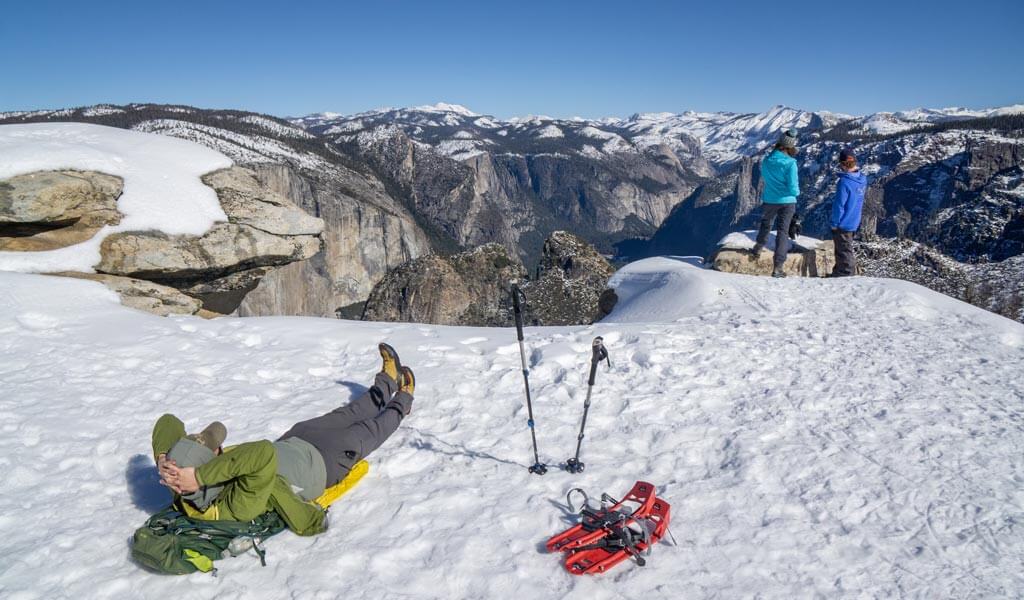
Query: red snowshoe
pixel 615 532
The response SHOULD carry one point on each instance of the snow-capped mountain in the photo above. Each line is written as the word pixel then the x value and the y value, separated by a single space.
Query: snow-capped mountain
pixel 884 123
pixel 459 133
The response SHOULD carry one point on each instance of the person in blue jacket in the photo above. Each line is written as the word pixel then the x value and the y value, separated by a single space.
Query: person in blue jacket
pixel 781 187
pixel 846 210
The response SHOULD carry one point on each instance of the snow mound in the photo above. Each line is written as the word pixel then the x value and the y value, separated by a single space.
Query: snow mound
pixel 162 189
pixel 815 438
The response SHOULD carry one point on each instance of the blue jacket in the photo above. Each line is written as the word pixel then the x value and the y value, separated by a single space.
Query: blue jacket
pixel 781 185
pixel 848 201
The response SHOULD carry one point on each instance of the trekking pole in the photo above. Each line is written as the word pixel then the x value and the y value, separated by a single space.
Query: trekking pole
pixel 573 465
pixel 538 467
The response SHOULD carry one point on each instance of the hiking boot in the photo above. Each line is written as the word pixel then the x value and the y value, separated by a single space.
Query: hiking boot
pixel 212 436
pixel 402 401
pixel 408 381
pixel 390 364
pixel 778 273
pixel 756 250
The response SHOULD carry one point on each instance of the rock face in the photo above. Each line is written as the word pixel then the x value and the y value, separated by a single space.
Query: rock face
pixel 264 229
pixel 473 287
pixel 994 286
pixel 573 278
pixel 53 209
pixel 470 288
pixel 518 198
pixel 365 235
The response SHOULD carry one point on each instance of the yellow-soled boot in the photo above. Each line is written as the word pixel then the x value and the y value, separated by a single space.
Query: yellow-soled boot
pixel 390 363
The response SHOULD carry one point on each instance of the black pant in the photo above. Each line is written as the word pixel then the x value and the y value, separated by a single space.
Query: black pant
pixel 785 213
pixel 846 260
pixel 348 434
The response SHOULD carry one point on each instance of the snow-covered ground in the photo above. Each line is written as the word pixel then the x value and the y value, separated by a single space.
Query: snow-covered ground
pixel 162 190
pixel 816 438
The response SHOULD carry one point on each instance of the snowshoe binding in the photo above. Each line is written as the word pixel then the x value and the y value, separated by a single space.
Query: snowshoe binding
pixel 615 532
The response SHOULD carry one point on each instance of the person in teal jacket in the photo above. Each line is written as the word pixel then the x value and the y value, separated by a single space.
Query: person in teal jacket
pixel 781 187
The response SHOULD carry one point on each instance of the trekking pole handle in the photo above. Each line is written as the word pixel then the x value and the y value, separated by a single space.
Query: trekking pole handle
pixel 518 309
pixel 600 353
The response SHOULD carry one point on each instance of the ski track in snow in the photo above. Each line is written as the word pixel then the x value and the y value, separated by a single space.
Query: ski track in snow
pixel 854 438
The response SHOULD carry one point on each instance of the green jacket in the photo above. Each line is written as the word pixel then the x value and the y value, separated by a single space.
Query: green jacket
pixel 252 485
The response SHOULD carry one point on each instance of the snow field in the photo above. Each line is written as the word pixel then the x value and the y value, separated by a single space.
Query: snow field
pixel 162 190
pixel 842 438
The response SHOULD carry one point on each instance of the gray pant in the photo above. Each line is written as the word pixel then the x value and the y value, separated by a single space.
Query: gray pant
pixel 846 260
pixel 350 433
pixel 785 213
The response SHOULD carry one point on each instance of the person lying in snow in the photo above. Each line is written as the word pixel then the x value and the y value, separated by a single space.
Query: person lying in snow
pixel 250 479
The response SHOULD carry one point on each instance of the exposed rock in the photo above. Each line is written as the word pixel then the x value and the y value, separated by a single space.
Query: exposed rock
pixel 224 249
pixel 143 295
pixel 573 278
pixel 809 258
pixel 469 288
pixel 365 234
pixel 53 209
pixel 246 202
pixel 472 288
pixel 994 286
pixel 812 263
pixel 263 229
pixel 516 199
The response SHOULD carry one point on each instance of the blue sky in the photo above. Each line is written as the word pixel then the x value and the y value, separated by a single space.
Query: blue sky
pixel 562 59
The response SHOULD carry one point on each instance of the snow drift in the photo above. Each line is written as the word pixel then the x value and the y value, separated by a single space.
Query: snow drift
pixel 854 437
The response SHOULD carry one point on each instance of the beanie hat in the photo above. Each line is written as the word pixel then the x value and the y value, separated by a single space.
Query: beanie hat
pixel 190 453
pixel 199 448
pixel 196 450
pixel 788 139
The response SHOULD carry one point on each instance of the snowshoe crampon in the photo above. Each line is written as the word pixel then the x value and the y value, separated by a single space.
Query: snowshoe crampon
pixel 618 530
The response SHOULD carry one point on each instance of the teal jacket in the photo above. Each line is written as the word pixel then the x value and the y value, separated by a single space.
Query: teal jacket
pixel 781 185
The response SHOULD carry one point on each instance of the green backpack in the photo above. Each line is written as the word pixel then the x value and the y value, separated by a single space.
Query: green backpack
pixel 175 544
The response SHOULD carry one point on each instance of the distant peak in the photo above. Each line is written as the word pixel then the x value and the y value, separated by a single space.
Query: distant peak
pixel 446 107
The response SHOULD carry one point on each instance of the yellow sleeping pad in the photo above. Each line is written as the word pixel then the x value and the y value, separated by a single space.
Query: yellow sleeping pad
pixel 339 489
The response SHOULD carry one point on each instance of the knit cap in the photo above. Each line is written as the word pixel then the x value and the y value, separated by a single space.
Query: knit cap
pixel 788 139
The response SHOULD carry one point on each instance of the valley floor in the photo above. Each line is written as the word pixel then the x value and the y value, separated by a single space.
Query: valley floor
pixel 858 437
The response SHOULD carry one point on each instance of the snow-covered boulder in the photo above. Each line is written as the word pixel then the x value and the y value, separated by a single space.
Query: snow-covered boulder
pixel 131 206
pixel 263 229
pixel 807 256
pixel 46 210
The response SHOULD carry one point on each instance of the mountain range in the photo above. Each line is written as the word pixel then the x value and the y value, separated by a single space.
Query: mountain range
pixel 393 184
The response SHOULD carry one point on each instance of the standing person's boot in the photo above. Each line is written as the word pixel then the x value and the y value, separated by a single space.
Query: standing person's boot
pixel 756 251
pixel 778 273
